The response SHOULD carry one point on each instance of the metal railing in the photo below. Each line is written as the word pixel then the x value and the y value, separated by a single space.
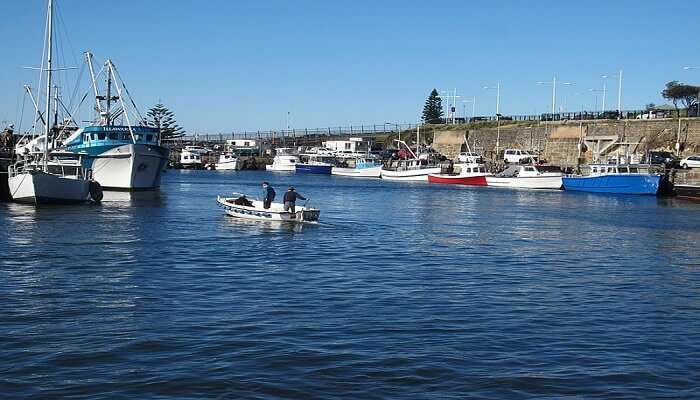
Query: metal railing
pixel 365 130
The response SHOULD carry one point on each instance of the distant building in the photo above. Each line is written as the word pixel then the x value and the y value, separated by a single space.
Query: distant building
pixel 352 145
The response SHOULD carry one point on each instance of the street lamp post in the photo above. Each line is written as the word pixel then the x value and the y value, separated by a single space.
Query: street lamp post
pixel 554 92
pixel 464 108
pixel 498 114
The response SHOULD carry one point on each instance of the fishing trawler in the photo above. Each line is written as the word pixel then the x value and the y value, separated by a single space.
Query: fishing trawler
pixel 123 152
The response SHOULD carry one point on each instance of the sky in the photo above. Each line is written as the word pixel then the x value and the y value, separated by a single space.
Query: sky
pixel 224 66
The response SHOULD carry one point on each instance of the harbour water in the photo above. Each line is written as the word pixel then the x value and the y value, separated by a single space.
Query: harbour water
pixel 402 291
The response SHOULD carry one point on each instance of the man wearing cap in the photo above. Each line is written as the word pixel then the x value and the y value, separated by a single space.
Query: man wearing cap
pixel 290 198
pixel 268 195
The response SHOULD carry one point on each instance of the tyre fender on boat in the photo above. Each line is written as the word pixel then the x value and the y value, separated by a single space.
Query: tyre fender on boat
pixel 96 191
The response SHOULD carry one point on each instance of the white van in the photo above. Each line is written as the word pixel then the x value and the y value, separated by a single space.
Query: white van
pixel 518 156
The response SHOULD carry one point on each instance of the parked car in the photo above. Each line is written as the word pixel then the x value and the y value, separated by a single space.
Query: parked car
pixel 518 156
pixel 691 162
pixel 467 157
pixel 665 158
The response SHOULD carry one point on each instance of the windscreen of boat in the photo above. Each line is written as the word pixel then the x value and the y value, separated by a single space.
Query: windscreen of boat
pixel 509 172
pixel 548 168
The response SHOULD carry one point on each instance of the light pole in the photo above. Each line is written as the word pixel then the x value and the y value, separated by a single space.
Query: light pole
pixel 464 108
pixel 554 92
pixel 498 114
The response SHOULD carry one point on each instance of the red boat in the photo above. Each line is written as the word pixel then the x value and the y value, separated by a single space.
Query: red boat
pixel 469 174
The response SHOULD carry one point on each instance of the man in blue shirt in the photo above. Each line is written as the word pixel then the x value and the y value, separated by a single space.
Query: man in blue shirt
pixel 268 195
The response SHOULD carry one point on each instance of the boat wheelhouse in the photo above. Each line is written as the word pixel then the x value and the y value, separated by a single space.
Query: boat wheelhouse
pixel 285 160
pixel 228 161
pixel 190 159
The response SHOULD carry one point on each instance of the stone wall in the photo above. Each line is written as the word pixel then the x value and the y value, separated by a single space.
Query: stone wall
pixel 558 141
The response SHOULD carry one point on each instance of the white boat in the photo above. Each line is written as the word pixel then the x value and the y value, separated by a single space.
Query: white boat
pixel 416 168
pixel 276 211
pixel 228 161
pixel 527 177
pixel 285 160
pixel 31 179
pixel 190 159
pixel 359 167
pixel 58 181
pixel 122 153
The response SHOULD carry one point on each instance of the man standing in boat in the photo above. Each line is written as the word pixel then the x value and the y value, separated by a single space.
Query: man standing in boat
pixel 268 195
pixel 290 198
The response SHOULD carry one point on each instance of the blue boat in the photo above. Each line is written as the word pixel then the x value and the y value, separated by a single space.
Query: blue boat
pixel 617 179
pixel 323 169
pixel 314 164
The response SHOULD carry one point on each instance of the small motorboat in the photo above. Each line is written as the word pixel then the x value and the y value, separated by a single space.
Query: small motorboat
pixel 528 177
pixel 234 207
pixel 463 174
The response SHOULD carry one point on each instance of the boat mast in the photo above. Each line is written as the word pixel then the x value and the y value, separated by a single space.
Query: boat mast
pixel 48 85
pixel 109 99
pixel 88 59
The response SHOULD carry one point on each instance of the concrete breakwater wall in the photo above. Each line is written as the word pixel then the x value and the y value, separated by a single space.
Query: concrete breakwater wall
pixel 558 141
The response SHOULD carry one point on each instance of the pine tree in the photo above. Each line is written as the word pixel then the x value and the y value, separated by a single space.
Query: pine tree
pixel 160 117
pixel 432 111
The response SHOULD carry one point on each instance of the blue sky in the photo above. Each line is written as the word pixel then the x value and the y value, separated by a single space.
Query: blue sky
pixel 242 65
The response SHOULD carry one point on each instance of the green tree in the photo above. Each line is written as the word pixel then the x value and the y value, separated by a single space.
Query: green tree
pixel 160 117
pixel 678 92
pixel 432 110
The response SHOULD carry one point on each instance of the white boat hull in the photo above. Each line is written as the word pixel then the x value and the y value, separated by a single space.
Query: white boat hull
pixel 228 166
pixel 534 182
pixel 281 168
pixel 38 187
pixel 416 175
pixel 372 172
pixel 129 167
pixel 274 213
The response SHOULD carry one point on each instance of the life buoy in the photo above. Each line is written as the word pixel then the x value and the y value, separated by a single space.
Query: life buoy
pixel 96 191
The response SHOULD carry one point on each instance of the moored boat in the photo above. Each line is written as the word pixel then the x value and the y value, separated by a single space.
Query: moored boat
pixel 413 168
pixel 228 161
pixel 527 177
pixel 613 178
pixel 315 164
pixel 122 155
pixel 31 179
pixel 254 210
pixel 358 167
pixel 464 174
pixel 688 191
pixel 190 159
pixel 285 160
